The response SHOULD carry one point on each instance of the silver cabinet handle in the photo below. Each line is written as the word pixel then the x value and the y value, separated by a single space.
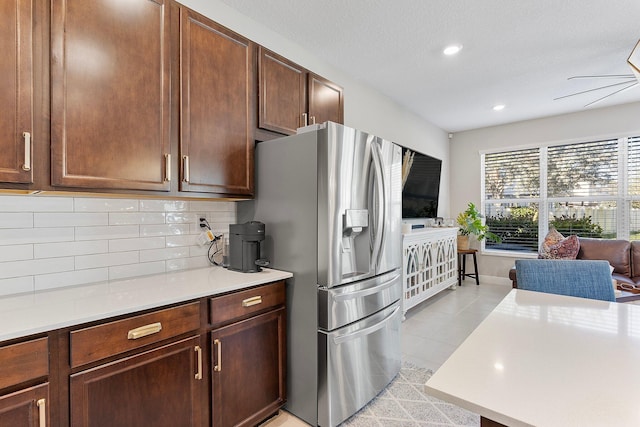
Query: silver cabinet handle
pixel 313 120
pixel 143 331
pixel 27 151
pixel 218 366
pixel 167 167
pixel 42 412
pixel 185 170
pixel 198 351
pixel 305 119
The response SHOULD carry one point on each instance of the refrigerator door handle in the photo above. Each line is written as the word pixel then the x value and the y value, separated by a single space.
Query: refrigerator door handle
pixel 370 291
pixel 380 208
pixel 366 331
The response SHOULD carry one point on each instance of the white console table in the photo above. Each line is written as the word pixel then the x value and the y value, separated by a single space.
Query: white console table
pixel 430 264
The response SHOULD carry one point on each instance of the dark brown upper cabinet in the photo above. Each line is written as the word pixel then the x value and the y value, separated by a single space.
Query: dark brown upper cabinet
pixel 283 94
pixel 16 91
pixel 290 96
pixel 326 100
pixel 110 109
pixel 217 108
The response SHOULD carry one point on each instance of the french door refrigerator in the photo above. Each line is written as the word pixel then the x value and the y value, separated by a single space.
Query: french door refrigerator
pixel 331 202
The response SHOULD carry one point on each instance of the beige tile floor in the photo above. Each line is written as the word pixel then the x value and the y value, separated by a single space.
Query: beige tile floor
pixel 435 328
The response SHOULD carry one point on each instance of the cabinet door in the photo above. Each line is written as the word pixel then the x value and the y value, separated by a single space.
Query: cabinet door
pixel 325 101
pixel 248 369
pixel 156 388
pixel 282 93
pixel 217 108
pixel 16 90
pixel 110 122
pixel 25 408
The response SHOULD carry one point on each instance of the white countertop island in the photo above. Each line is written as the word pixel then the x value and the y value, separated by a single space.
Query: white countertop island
pixel 27 314
pixel 548 360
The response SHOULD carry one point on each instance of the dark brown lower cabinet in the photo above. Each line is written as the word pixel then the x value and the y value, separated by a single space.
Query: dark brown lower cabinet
pixel 25 408
pixel 248 363
pixel 156 388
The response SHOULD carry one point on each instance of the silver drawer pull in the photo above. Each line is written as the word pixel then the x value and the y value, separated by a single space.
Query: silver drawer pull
pixel 143 331
pixel 252 301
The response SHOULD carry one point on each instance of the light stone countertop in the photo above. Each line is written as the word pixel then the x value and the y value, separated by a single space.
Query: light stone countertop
pixel 32 313
pixel 548 360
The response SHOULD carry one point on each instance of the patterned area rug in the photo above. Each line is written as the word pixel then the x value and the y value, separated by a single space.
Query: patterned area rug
pixel 405 404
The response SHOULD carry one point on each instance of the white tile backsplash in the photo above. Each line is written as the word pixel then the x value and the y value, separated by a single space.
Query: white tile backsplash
pixel 83 204
pixel 164 230
pixel 66 219
pixel 35 266
pixel 107 232
pixel 127 218
pixel 16 219
pixel 164 205
pixel 70 278
pixel 52 241
pixel 52 250
pixel 35 204
pixel 106 260
pixel 135 270
pixel 16 253
pixel 121 245
pixel 16 285
pixel 16 236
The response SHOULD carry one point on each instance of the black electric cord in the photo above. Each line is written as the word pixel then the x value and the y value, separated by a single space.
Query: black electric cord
pixel 215 250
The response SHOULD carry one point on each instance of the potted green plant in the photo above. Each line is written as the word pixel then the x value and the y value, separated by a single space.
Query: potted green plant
pixel 470 222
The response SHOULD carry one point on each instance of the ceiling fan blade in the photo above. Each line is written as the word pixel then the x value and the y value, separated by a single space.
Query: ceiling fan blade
pixel 592 90
pixel 604 76
pixel 613 93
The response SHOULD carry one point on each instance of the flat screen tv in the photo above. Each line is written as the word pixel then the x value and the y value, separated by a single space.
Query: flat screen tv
pixel 422 185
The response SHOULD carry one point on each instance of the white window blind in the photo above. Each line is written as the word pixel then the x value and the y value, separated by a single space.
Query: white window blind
pixel 583 170
pixel 512 175
pixel 633 166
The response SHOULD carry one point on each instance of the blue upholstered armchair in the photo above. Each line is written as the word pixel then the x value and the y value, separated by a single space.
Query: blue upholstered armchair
pixel 578 278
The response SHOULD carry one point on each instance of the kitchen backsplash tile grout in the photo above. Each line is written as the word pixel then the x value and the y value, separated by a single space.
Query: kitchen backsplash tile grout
pixel 50 241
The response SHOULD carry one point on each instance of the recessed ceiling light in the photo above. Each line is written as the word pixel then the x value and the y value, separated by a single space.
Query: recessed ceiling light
pixel 498 107
pixel 452 50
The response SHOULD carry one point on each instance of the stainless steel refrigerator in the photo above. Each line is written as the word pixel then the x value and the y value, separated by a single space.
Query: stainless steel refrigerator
pixel 331 202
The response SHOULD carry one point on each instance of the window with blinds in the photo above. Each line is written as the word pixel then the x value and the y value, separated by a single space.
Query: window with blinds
pixel 578 188
pixel 509 178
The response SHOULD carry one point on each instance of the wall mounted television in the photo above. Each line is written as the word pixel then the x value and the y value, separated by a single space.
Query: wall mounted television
pixel 421 188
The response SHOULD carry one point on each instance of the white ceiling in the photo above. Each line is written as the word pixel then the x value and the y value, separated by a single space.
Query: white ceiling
pixel 515 52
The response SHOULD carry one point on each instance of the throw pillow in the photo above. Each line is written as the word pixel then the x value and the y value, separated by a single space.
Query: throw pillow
pixel 556 246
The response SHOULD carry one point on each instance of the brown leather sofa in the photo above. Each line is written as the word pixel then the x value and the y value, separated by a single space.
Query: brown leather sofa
pixel 624 257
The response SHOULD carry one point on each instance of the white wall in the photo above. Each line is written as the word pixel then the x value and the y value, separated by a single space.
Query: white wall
pixel 54 241
pixel 591 124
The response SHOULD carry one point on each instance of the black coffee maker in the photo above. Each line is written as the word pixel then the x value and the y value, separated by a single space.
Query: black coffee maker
pixel 244 247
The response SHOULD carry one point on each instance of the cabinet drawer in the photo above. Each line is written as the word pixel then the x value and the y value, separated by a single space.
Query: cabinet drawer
pixel 227 308
pixel 101 341
pixel 24 361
